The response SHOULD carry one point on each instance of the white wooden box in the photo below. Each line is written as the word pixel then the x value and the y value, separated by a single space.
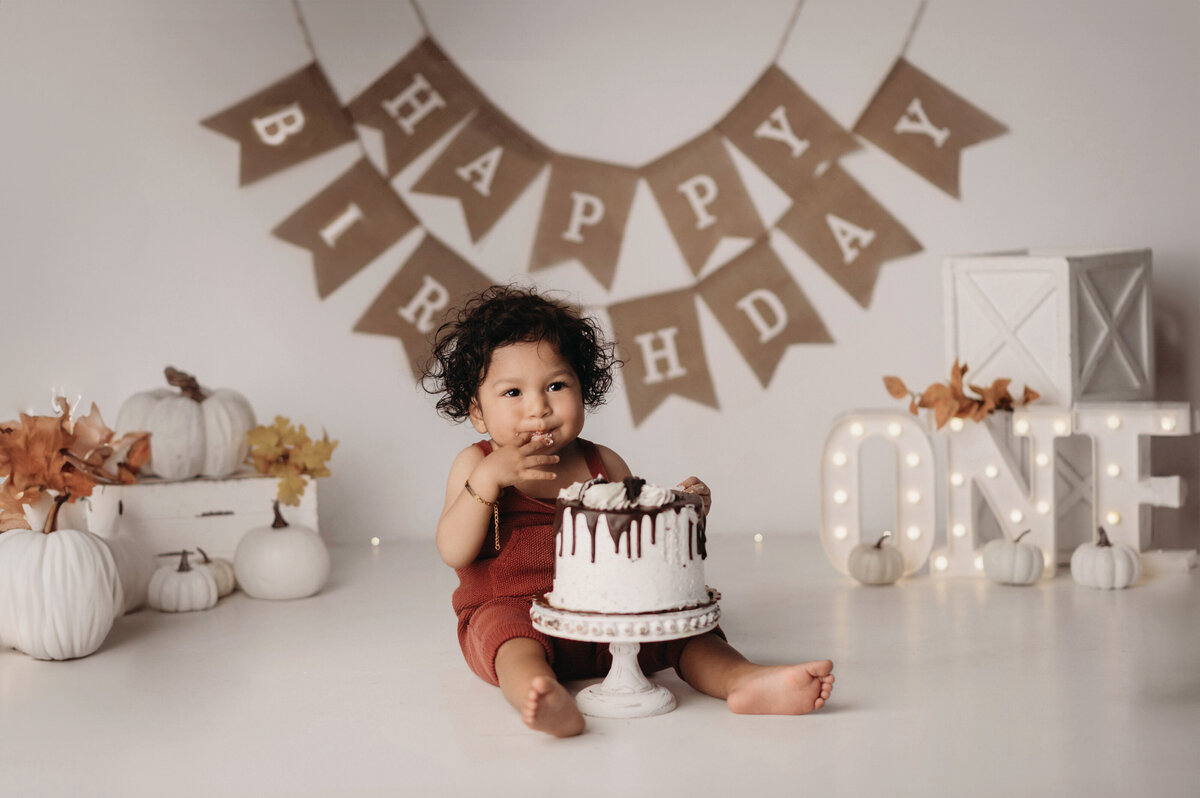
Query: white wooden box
pixel 210 513
pixel 1074 326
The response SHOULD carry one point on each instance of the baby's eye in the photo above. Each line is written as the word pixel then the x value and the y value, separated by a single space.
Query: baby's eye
pixel 557 386
pixel 513 392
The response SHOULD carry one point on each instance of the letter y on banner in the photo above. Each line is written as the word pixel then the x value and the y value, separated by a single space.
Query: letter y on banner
pixel 286 123
pixel 659 340
pixel 924 125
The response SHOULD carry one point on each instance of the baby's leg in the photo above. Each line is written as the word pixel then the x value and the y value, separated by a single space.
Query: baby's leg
pixel 529 685
pixel 715 668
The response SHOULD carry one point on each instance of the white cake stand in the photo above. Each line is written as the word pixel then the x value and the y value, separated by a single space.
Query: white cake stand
pixel 626 692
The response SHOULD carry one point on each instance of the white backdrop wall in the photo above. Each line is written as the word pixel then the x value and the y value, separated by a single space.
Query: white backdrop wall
pixel 126 244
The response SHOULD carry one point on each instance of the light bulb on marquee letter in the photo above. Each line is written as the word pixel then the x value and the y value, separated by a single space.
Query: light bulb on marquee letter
pixel 977 461
pixel 841 489
pixel 1120 433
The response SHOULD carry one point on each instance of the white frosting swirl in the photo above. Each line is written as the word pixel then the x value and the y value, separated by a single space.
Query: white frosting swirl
pixel 605 496
pixel 652 496
pixel 571 492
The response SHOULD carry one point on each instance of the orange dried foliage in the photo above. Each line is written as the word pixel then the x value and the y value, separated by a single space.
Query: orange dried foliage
pixel 948 400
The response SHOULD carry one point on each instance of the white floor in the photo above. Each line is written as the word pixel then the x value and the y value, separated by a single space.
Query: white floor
pixel 957 688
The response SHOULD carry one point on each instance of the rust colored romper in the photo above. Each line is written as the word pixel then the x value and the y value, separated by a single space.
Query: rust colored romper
pixel 495 592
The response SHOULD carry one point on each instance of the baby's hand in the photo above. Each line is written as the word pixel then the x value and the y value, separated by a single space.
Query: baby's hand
pixel 694 485
pixel 515 462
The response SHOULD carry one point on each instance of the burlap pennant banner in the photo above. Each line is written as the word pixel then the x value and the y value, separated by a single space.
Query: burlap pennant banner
pixel 762 309
pixel 784 132
pixel 584 215
pixel 414 303
pixel 349 224
pixel 702 198
pixel 288 122
pixel 924 125
pixel 659 339
pixel 415 103
pixel 847 232
pixel 486 167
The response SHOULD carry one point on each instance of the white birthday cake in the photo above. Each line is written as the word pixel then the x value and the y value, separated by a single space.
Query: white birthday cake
pixel 627 547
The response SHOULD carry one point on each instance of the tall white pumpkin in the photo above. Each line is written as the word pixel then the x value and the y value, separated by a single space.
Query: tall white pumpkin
pixel 59 590
pixel 193 431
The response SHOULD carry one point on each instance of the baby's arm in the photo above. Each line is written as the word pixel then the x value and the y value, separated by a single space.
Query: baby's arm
pixel 465 520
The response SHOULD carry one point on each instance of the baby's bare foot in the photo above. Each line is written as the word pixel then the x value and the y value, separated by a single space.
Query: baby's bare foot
pixel 551 709
pixel 782 689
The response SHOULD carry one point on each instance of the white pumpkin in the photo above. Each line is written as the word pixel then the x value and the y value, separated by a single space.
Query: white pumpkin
pixel 1105 565
pixel 281 561
pixel 59 590
pixel 193 431
pixel 182 588
pixel 1011 562
pixel 876 564
pixel 222 571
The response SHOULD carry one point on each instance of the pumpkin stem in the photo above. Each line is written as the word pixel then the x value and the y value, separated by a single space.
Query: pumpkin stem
pixel 885 536
pixel 184 565
pixel 204 554
pixel 1103 541
pixel 278 523
pixel 51 524
pixel 184 382
pixel 1023 534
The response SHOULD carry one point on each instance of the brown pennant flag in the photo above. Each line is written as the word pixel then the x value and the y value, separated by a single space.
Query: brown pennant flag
pixel 415 103
pixel 583 216
pixel 413 305
pixel 702 197
pixel 286 123
pixel 349 224
pixel 783 130
pixel 924 125
pixel 847 232
pixel 762 309
pixel 659 340
pixel 486 167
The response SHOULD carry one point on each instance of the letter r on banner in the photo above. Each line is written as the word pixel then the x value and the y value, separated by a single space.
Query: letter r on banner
pixel 665 350
pixel 274 129
pixel 426 305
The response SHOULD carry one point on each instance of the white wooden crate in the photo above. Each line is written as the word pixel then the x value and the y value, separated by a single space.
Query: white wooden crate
pixel 210 513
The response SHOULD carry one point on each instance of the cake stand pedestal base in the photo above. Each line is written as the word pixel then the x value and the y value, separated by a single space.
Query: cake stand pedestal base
pixel 626 692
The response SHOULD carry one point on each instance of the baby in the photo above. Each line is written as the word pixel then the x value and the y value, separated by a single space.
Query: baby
pixel 524 370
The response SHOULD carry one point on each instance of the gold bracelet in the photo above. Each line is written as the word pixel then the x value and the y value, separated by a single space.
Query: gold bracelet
pixel 495 509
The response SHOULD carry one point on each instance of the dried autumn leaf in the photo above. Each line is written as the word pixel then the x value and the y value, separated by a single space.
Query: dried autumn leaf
pixel 92 437
pixel 935 393
pixel 1029 395
pixel 913 407
pixel 895 387
pixel 943 411
pixel 291 488
pixel 12 513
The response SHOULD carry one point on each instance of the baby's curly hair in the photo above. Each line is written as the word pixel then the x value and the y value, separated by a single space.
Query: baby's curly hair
pixel 507 314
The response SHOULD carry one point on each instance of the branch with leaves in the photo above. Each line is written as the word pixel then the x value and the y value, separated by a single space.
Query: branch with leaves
pixel 284 451
pixel 949 400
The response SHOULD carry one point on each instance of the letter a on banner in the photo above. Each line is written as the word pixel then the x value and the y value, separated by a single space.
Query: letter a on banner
pixel 584 215
pixel 702 197
pixel 414 303
pixel 415 103
pixel 349 224
pixel 659 339
pixel 486 167
pixel 847 232
pixel 286 123
pixel 924 125
pixel 762 309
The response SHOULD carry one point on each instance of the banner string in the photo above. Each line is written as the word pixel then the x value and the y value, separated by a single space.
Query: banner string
pixel 420 17
pixel 787 32
pixel 912 29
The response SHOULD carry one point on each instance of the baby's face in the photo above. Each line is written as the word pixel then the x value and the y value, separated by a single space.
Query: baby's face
pixel 529 389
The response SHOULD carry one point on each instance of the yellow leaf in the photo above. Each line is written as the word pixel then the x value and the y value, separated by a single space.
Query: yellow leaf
pixel 291 488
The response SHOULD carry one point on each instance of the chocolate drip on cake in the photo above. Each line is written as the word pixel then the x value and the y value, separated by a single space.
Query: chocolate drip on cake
pixel 620 522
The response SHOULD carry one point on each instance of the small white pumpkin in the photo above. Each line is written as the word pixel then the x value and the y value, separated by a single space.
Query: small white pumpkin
pixel 1105 565
pixel 281 561
pixel 1011 562
pixel 59 590
pixel 182 588
pixel 222 571
pixel 192 431
pixel 876 564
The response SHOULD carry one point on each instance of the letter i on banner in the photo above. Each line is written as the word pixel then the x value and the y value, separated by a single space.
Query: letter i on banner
pixel 288 122
pixel 762 309
pixel 584 215
pixel 415 103
pixel 414 303
pixel 924 125
pixel 702 197
pixel 847 232
pixel 659 339
pixel 349 224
